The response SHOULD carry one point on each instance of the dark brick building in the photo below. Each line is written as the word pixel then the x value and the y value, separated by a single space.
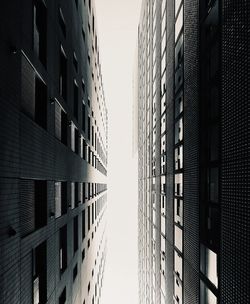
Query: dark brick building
pixel 53 153
pixel 193 147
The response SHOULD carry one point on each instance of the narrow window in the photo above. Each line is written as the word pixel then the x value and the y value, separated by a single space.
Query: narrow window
pixel 62 22
pixel 75 99
pixel 75 236
pixel 40 31
pixel 83 225
pixel 63 248
pixel 40 204
pixel 40 274
pixel 74 272
pixel 62 298
pixel 63 74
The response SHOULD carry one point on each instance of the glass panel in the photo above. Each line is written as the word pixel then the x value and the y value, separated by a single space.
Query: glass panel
pixel 206 295
pixel 179 184
pixel 178 211
pixel 178 264
pixel 179 23
pixel 208 264
pixel 178 238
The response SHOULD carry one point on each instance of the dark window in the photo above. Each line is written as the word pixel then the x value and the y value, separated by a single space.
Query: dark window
pixel 63 248
pixel 75 100
pixel 83 225
pixel 40 103
pixel 63 75
pixel 64 128
pixel 76 141
pixel 62 298
pixel 83 254
pixel 90 5
pixel 62 22
pixel 83 35
pixel 34 95
pixel 93 136
pixel 74 273
pixel 76 194
pixel 93 214
pixel 83 116
pixel 64 200
pixel 40 31
pixel 76 1
pixel 93 24
pixel 89 217
pixel 75 62
pixel 40 274
pixel 84 147
pixel 40 204
pixel 75 236
pixel 89 128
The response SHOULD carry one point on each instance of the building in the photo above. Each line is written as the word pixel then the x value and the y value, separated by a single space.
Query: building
pixel 193 147
pixel 53 153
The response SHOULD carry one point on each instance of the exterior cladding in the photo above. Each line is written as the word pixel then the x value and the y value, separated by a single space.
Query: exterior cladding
pixel 191 153
pixel 27 151
pixel 235 181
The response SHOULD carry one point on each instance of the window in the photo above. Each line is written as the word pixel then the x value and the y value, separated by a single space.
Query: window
pixel 83 225
pixel 179 131
pixel 63 74
pixel 40 274
pixel 89 128
pixel 93 214
pixel 58 199
pixel 64 128
pixel 62 22
pixel 40 103
pixel 62 298
pixel 179 158
pixel 64 199
pixel 89 217
pixel 83 116
pixel 179 184
pixel 40 31
pixel 178 211
pixel 40 204
pixel 208 264
pixel 206 295
pixel 75 236
pixel 74 272
pixel 178 264
pixel 179 104
pixel 178 238
pixel 76 141
pixel 179 23
pixel 72 195
pixel 83 255
pixel 75 62
pixel 34 94
pixel 63 248
pixel 75 99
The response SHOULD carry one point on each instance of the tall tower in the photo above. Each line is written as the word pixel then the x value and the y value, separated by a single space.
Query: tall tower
pixel 53 153
pixel 193 152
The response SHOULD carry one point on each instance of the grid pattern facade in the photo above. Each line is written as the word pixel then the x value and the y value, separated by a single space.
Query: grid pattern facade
pixel 193 138
pixel 53 155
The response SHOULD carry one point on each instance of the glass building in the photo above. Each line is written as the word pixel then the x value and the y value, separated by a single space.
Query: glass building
pixel 53 153
pixel 193 135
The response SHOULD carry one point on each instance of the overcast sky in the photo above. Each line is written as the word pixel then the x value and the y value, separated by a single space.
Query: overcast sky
pixel 117 22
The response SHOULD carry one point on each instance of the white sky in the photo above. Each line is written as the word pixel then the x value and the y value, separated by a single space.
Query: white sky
pixel 117 22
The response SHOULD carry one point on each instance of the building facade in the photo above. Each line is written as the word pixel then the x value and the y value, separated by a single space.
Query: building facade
pixel 193 152
pixel 53 153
